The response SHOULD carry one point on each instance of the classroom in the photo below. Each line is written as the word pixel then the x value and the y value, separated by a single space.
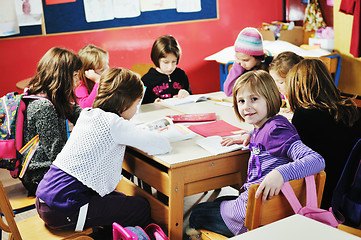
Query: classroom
pixel 204 35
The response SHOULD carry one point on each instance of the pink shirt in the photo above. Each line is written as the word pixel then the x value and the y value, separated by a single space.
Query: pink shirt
pixel 84 98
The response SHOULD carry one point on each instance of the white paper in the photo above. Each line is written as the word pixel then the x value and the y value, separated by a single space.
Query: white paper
pixel 126 8
pixel 274 47
pixel 98 10
pixel 176 132
pixel 153 5
pixel 158 124
pixel 178 101
pixel 29 12
pixel 8 20
pixel 213 145
pixel 189 5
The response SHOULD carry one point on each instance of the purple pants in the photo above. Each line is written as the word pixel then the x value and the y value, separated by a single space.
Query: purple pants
pixel 102 211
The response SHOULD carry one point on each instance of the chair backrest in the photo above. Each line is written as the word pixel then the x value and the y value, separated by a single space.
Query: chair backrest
pixel 278 207
pixel 141 68
pixel 31 228
pixel 7 211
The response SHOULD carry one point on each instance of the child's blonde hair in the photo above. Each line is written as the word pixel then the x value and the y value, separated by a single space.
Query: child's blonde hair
pixel 311 86
pixel 92 57
pixel 165 45
pixel 283 63
pixel 261 83
pixel 118 89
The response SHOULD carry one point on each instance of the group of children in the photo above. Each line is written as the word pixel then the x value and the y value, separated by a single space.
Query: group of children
pixel 75 179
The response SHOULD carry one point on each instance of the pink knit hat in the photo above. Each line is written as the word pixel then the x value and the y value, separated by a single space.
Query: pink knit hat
pixel 249 41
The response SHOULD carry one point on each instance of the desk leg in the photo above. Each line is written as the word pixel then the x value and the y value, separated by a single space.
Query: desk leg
pixel 176 203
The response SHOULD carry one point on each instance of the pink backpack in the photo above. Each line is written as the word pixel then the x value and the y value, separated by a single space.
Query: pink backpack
pixel 151 232
pixel 310 210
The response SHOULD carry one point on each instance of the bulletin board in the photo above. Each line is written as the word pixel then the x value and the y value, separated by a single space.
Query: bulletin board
pixel 70 17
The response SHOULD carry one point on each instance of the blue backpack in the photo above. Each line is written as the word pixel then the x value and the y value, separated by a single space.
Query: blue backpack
pixel 12 107
pixel 346 198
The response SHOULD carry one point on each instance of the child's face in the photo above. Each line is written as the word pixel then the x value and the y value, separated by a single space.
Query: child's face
pixel 130 112
pixel 168 64
pixel 252 107
pixel 246 61
pixel 280 82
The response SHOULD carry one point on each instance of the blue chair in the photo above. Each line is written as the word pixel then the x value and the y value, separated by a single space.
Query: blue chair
pixel 338 68
pixel 224 70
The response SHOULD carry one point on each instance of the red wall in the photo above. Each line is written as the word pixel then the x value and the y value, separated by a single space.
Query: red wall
pixel 19 56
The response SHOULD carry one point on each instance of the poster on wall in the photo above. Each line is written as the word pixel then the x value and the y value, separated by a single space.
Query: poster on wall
pixel 29 12
pixel 8 20
pixel 153 5
pixel 126 8
pixel 98 10
pixel 189 5
pixel 51 2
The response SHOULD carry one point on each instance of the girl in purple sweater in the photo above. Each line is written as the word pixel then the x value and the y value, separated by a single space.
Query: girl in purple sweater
pixel 277 155
pixel 249 55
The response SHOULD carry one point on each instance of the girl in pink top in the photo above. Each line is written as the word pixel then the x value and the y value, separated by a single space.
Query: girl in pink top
pixel 95 61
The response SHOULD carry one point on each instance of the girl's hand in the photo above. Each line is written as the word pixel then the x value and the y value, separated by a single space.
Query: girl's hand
pixel 157 100
pixel 271 185
pixel 239 139
pixel 183 93
pixel 92 75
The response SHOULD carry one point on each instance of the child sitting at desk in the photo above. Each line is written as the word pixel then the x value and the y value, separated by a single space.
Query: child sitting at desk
pixel 326 121
pixel 79 189
pixel 249 55
pixel 166 80
pixel 54 81
pixel 277 155
pixel 95 61
pixel 279 68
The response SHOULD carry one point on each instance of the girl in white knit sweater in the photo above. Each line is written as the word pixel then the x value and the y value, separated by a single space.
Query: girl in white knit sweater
pixel 81 181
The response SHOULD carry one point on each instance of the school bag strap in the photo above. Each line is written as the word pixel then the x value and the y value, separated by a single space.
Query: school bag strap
pixel 310 210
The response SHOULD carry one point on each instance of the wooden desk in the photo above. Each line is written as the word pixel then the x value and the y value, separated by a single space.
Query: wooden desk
pixel 296 227
pixel 187 170
pixel 23 83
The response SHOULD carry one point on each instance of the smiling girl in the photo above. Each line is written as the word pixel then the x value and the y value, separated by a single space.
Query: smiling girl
pixel 277 155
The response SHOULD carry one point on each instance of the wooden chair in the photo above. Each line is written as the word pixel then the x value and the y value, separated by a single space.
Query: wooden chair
pixel 351 230
pixel 32 227
pixel 141 68
pixel 19 199
pixel 259 214
pixel 277 208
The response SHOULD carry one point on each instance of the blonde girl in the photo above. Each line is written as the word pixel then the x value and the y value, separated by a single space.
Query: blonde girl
pixel 277 155
pixel 95 61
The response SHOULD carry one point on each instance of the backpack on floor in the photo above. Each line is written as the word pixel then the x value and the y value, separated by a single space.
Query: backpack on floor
pixel 151 232
pixel 310 210
pixel 12 107
pixel 346 198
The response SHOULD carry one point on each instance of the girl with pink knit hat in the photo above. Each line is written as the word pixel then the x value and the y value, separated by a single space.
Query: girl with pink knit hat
pixel 249 55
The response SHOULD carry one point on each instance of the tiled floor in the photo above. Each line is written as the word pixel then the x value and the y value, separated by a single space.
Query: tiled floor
pixel 189 201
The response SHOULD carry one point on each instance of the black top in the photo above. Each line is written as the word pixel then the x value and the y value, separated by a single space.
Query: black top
pixel 333 141
pixel 159 85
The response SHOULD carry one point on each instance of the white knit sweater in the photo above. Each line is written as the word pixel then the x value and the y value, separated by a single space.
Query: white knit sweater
pixel 95 150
